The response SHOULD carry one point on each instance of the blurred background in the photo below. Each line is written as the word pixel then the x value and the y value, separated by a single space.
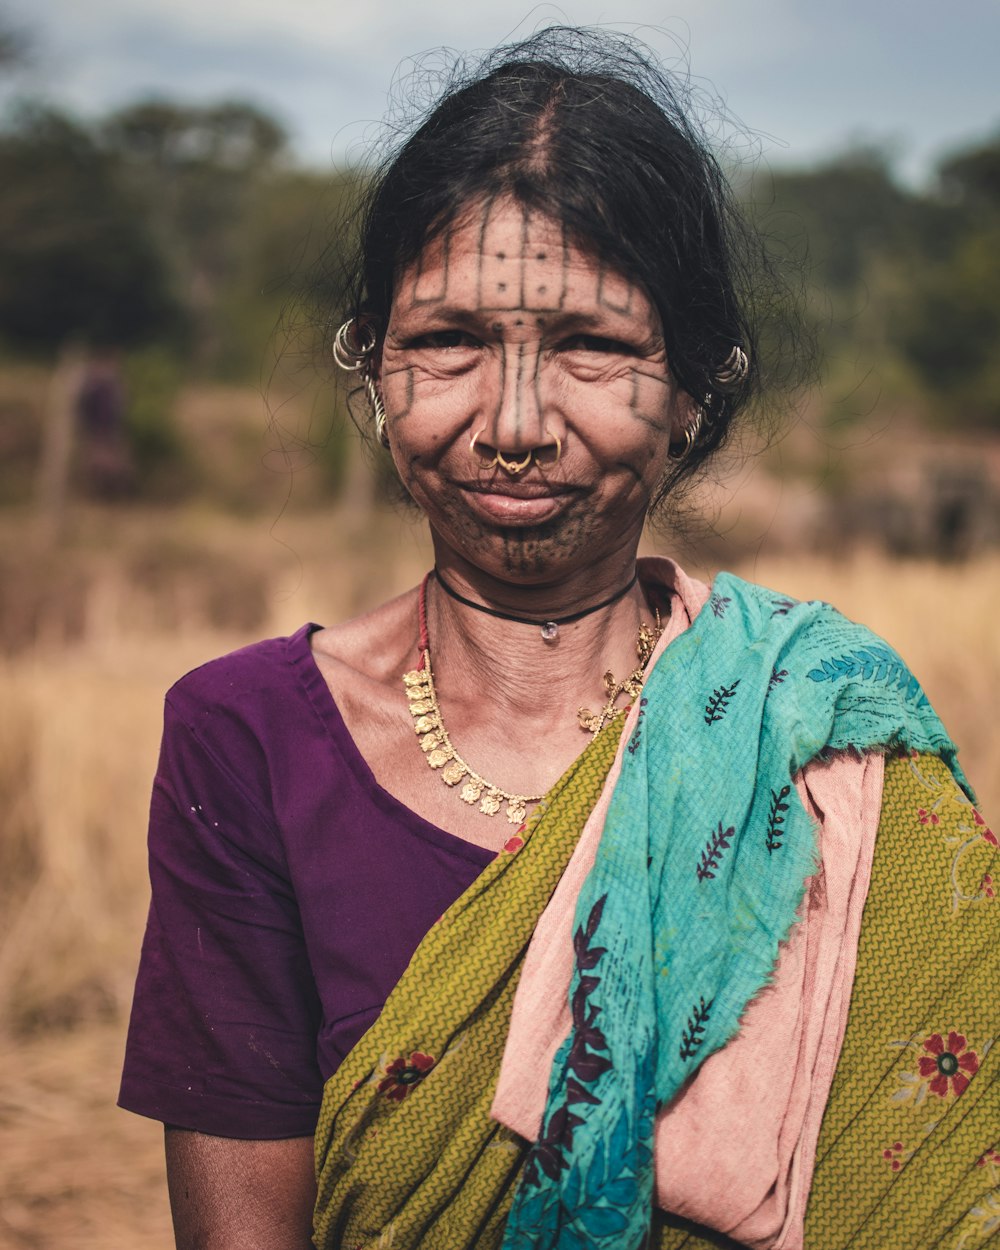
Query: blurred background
pixel 178 476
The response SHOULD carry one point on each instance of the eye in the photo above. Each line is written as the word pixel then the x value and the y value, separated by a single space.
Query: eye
pixel 443 340
pixel 596 343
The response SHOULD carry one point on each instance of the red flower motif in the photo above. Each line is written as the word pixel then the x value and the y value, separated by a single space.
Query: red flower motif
pixel 893 1155
pixel 989 836
pixel 513 844
pixel 928 818
pixel 991 1156
pixel 402 1074
pixel 986 885
pixel 944 1063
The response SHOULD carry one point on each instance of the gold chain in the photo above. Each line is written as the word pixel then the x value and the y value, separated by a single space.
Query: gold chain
pixel 437 747
pixel 594 722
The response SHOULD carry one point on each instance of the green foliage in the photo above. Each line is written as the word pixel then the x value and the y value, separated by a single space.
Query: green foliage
pixel 903 287
pixel 200 173
pixel 840 215
pixel 77 260
pixel 950 325
pixel 971 178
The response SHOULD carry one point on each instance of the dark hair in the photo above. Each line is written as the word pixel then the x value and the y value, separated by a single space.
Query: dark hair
pixel 587 128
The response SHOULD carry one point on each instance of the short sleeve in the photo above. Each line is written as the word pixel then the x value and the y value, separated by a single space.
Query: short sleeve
pixel 224 1022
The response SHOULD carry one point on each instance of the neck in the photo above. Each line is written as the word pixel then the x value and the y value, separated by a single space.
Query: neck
pixel 479 657
pixel 549 625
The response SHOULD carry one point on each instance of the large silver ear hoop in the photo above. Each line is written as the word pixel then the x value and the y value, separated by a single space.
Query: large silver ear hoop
pixel 378 409
pixel 352 356
pixel 691 432
pixel 734 368
pixel 515 466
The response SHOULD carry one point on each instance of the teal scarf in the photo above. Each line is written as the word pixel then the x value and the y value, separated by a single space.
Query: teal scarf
pixel 699 874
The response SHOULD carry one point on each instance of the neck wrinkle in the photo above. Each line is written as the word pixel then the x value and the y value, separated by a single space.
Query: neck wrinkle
pixel 504 664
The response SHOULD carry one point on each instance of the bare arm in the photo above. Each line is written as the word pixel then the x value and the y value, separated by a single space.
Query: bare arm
pixel 227 1194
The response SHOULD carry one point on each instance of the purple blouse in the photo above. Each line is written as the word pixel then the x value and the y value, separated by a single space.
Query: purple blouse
pixel 289 892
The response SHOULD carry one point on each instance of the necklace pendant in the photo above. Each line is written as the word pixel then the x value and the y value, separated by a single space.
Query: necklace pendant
pixel 453 773
pixel 588 720
pixel 550 631
pixel 490 804
pixel 471 792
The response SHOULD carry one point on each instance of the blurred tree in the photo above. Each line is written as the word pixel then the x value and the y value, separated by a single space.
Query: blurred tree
pixel 79 272
pixel 971 178
pixel 950 326
pixel 841 215
pixel 76 259
pixel 198 171
pixel 853 231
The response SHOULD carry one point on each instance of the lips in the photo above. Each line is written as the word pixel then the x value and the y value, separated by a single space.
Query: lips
pixel 518 503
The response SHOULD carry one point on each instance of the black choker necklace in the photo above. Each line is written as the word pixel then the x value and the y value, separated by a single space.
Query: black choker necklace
pixel 549 628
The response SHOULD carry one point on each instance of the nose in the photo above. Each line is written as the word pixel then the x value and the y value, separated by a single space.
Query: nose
pixel 516 427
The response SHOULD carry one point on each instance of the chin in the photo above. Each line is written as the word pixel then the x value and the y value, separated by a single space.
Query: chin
pixel 540 552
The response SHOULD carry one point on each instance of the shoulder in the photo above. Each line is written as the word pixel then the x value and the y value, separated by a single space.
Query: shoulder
pixel 760 616
pixel 244 709
pixel 258 663
pixel 761 608
pixel 244 729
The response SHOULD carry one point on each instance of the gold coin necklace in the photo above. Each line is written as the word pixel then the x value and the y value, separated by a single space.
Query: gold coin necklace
pixel 441 754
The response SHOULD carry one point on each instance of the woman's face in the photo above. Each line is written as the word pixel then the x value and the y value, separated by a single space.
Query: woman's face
pixel 506 331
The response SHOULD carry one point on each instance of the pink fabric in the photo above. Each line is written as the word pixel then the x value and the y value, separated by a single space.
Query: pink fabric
pixel 735 1150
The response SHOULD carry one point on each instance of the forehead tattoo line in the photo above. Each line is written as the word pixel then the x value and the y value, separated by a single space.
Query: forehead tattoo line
pixel 565 264
pixel 604 276
pixel 484 223
pixel 523 266
pixel 433 297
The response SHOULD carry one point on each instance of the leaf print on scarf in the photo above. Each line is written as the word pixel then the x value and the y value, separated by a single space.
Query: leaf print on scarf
pixel 776 818
pixel 717 844
pixel 693 1035
pixel 719 603
pixel 718 705
pixel 877 663
pixel 548 1155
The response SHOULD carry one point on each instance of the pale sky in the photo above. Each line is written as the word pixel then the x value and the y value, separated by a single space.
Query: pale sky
pixel 806 78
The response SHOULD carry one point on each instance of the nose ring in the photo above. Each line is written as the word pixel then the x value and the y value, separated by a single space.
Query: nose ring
pixel 483 464
pixel 514 466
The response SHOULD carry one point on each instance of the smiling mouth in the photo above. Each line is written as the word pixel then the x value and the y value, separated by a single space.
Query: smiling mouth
pixel 519 489
pixel 518 504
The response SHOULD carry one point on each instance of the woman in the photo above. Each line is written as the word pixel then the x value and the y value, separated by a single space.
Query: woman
pixel 555 868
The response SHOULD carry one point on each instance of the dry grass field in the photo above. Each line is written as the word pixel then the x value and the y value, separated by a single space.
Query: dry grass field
pixel 144 596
